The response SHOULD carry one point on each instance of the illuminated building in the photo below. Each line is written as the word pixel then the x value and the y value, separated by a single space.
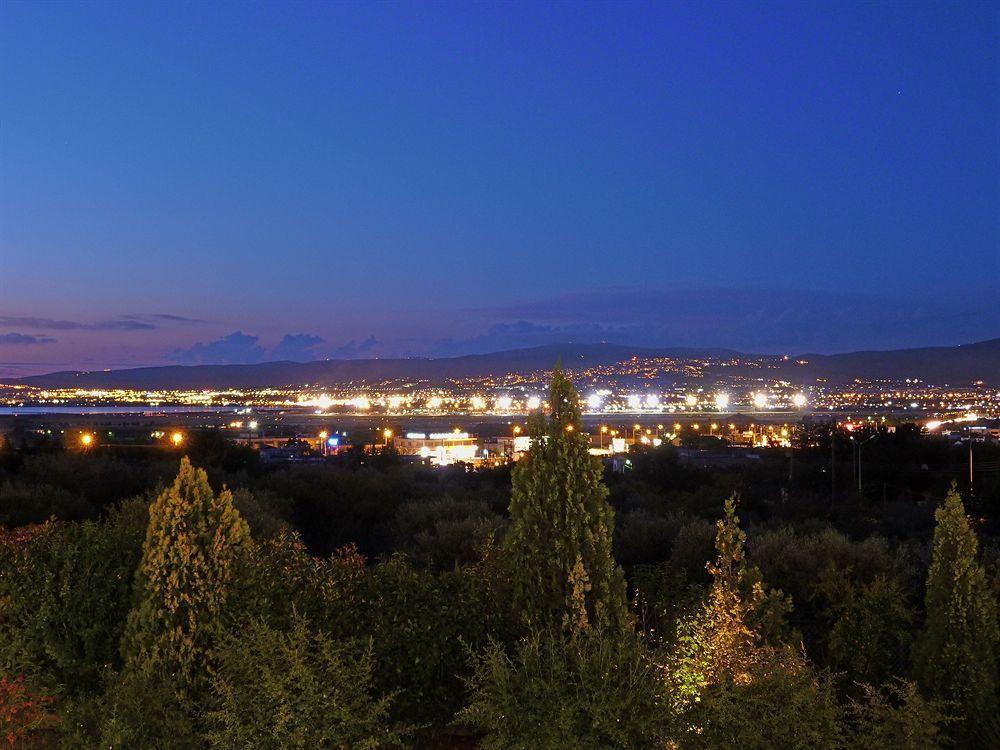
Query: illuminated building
pixel 441 448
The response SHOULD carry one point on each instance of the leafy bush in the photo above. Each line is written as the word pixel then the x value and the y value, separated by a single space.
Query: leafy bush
pixel 295 690
pixel 588 692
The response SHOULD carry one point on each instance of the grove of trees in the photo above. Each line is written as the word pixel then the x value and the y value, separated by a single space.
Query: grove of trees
pixel 555 605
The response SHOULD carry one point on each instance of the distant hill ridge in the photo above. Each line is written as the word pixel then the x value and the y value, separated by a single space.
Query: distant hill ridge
pixel 951 365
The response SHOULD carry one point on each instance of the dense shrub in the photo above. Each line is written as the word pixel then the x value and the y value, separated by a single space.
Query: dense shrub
pixel 589 692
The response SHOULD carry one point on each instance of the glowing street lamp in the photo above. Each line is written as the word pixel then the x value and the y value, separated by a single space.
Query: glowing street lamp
pixel 534 402
pixel 721 401
pixel 86 440
pixel 177 438
pixel 799 400
pixel 691 400
pixel 760 400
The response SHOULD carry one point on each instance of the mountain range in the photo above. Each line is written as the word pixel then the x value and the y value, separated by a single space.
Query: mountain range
pixel 952 365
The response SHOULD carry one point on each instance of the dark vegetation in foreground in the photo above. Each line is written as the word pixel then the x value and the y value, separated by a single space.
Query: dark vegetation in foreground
pixel 367 603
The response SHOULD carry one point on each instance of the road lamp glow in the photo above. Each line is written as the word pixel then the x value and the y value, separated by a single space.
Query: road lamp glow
pixel 760 400
pixel 799 400
pixel 177 438
pixel 652 401
pixel 721 401
pixel 534 402
pixel 593 402
pixel 691 400
pixel 86 439
pixel 504 403
pixel 634 402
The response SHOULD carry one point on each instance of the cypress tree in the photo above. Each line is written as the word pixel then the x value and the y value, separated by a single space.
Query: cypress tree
pixel 559 542
pixel 955 654
pixel 192 542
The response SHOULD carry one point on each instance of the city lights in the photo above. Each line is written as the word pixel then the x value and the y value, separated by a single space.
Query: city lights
pixel 799 400
pixel 721 401
pixel 533 403
pixel 760 400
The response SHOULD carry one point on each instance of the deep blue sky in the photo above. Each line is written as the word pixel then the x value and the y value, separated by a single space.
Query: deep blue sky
pixel 457 177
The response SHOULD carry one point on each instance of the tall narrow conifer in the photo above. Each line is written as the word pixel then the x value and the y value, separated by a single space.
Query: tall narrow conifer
pixel 955 654
pixel 183 579
pixel 559 543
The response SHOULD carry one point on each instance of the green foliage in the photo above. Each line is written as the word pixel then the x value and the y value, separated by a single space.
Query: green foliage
pixel 22 503
pixel 871 627
pixel 65 590
pixel 192 545
pixel 138 710
pixel 295 690
pixel 421 625
pixel 559 516
pixel 955 655
pixel 720 643
pixel 277 576
pixel 782 705
pixel 897 718
pixel 593 691
pixel 445 532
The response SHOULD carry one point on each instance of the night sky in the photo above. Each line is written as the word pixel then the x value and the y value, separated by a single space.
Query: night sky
pixel 238 182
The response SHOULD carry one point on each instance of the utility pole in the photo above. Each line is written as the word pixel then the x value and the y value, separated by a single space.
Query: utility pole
pixel 833 462
pixel 970 462
pixel 860 445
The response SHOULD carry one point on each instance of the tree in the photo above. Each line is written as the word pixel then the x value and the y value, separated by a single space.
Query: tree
pixel 871 626
pixel 192 544
pixel 719 643
pixel 295 690
pixel 559 542
pixel 955 654
pixel 64 598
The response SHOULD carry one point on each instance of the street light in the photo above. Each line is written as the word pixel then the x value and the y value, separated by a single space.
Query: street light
pixel 86 439
pixel 177 438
